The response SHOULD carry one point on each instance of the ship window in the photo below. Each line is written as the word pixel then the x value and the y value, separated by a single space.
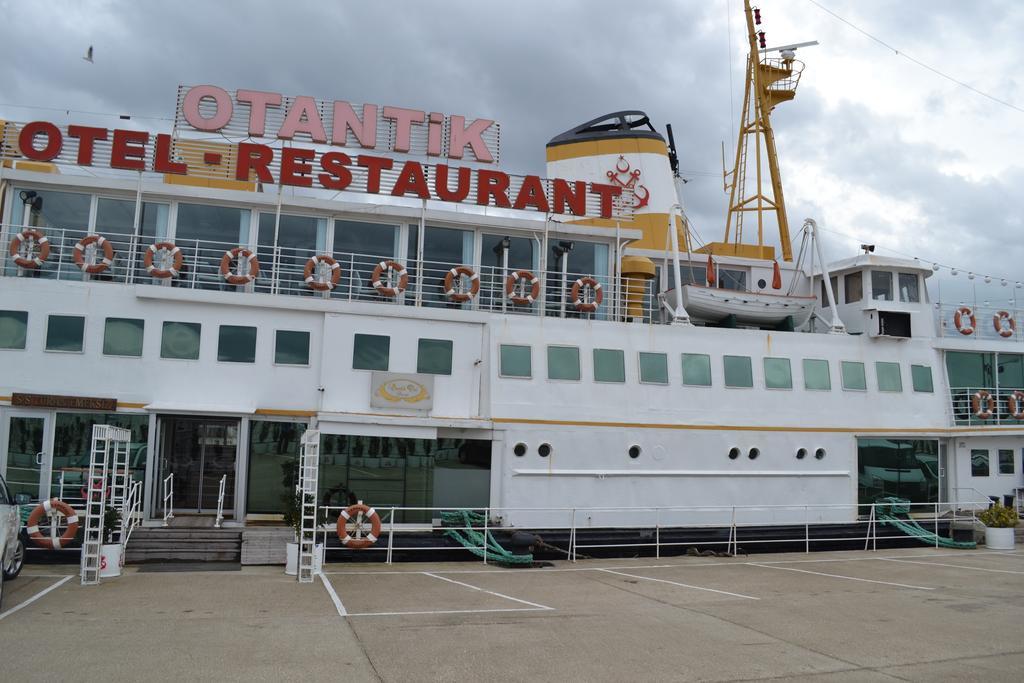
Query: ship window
pixel 970 370
pixel 116 217
pixel 563 362
pixel 908 288
pixel 853 376
pixel 732 279
pixel 519 450
pixel 298 238
pixel 738 371
pixel 1005 461
pixel 734 453
pixel 13 329
pixel 697 369
pixel 180 341
pixel 819 453
pixel 888 375
pixel 544 450
pixel 609 365
pixel 904 468
pixel 123 337
pixel 443 249
pixel 236 344
pixel 816 376
pixel 273 465
pixel 922 378
pixel 370 352
pixel 1011 370
pixel 291 347
pixel 835 291
pixel 434 357
pixel 359 247
pixel 979 462
pixel 516 361
pixel 853 283
pixel 492 283
pixel 55 212
pixel 65 333
pixel 778 374
pixel 653 368
pixel 881 285
pixel 634 452
pixel 754 452
pixel 801 453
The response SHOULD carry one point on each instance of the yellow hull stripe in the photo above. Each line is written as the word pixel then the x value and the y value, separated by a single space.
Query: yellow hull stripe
pixel 754 428
pixel 576 150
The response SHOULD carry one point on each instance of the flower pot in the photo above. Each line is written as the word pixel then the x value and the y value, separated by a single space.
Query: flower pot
pixel 291 565
pixel 999 538
pixel 111 559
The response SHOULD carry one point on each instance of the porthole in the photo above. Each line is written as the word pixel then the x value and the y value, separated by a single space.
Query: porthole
pixel 754 452
pixel 761 284
pixel 820 453
pixel 734 453
pixel 801 453
pixel 544 450
pixel 519 450
pixel 634 452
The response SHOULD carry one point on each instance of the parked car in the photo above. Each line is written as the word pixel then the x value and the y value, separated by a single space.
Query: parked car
pixel 12 541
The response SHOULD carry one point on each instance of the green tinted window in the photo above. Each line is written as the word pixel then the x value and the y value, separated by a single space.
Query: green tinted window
pixel 123 337
pixel 273 464
pixel 778 374
pixel 697 369
pixel 653 368
pixel 180 340
pixel 236 344
pixel 563 362
pixel 609 365
pixel 13 326
pixel 434 357
pixel 65 333
pixel 372 351
pixel 1011 370
pixel 888 375
pixel 969 369
pixel 291 347
pixel 853 376
pixel 738 371
pixel 516 361
pixel 922 378
pixel 816 377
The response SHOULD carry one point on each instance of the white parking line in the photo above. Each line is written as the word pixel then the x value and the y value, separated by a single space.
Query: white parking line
pixel 682 585
pixel 477 588
pixel 35 597
pixel 957 566
pixel 451 611
pixel 838 576
pixel 334 597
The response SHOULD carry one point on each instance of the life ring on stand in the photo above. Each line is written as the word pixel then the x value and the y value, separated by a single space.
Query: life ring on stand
pixel 163 273
pixel 385 267
pixel 514 279
pixel 358 513
pixel 46 508
pixel 233 278
pixel 309 274
pixel 1004 323
pixel 101 265
pixel 958 320
pixel 983 405
pixel 1015 404
pixel 33 237
pixel 455 275
pixel 578 292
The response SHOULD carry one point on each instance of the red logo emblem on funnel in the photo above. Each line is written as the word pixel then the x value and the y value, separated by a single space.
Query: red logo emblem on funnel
pixel 628 180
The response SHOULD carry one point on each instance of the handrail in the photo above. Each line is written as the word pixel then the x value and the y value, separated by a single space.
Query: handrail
pixel 130 517
pixel 220 501
pixel 982 497
pixel 168 498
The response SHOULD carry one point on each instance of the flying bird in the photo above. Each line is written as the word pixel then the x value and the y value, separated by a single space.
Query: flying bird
pixel 88 55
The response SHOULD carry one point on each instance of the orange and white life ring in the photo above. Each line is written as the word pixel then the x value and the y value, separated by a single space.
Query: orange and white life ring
pixel 1004 323
pixel 389 267
pixel 358 514
pixel 36 240
pixel 101 264
pixel 233 278
pixel 455 275
pixel 47 507
pixel 958 320
pixel 176 260
pixel 1015 404
pixel 310 274
pixel 579 294
pixel 525 276
pixel 983 405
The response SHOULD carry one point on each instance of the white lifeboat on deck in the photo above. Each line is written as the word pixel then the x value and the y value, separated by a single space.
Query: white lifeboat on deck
pixel 713 305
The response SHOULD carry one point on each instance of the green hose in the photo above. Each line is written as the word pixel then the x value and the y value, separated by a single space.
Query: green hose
pixel 474 541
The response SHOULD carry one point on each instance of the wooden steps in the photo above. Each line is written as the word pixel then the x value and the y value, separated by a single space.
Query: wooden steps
pixel 197 544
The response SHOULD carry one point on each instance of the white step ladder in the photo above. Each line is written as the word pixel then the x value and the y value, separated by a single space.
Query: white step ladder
pixel 106 440
pixel 309 467
pixel 120 481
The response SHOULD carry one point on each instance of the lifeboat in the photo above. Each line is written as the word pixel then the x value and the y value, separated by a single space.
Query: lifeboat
pixel 712 305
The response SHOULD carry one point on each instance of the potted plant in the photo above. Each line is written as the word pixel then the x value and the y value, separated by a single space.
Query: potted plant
pixel 999 522
pixel 111 554
pixel 293 518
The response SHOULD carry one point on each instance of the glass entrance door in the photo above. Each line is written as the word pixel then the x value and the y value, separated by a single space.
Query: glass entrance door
pixel 27 461
pixel 199 451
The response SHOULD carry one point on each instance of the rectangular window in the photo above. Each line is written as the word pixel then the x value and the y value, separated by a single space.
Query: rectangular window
pixel 563 362
pixel 123 337
pixel 291 347
pixel 888 376
pixel 697 369
pixel 816 376
pixel 1005 461
pixel 273 465
pixel 609 365
pixel 854 378
pixel 979 462
pixel 835 291
pixel 653 368
pixel 778 374
pixel 371 352
pixel 732 279
pixel 237 344
pixel 854 285
pixel 881 285
pixel 968 369
pixel 738 371
pixel 180 341
pixel 434 357
pixel 901 468
pixel 908 288
pixel 13 329
pixel 65 333
pixel 921 375
pixel 516 361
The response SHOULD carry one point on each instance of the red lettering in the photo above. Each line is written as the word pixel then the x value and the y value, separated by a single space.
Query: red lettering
pixel 128 151
pixel 441 184
pixel 338 177
pixel 492 184
pixel 606 192
pixel 254 157
pixel 575 196
pixel 27 138
pixel 373 166
pixel 411 179
pixel 531 193
pixel 297 167
pixel 87 135
pixel 162 161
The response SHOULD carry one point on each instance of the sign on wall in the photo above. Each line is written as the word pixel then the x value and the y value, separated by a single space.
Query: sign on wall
pixel 400 390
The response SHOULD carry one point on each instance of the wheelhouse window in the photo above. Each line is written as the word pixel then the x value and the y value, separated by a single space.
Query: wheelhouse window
pixel 564 362
pixel 881 285
pixel 738 371
pixel 434 357
pixel 853 286
pixel 123 337
pixel 516 361
pixel 778 374
pixel 697 369
pixel 65 333
pixel 888 376
pixel 909 291
pixel 13 329
pixel 291 347
pixel 653 368
pixel 609 365
pixel 816 375
pixel 180 341
pixel 371 352
pixel 854 378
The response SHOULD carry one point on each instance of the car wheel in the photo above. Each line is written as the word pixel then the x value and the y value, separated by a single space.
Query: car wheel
pixel 17 561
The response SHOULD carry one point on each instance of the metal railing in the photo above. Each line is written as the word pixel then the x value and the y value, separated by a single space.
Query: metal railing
pixel 131 514
pixel 989 322
pixel 220 501
pixel 168 498
pixel 985 406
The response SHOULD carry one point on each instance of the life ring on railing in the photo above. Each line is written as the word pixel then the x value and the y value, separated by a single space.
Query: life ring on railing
pixel 514 279
pixel 101 242
pixel 46 508
pixel 958 320
pixel 34 237
pixel 578 294
pixel 385 267
pixel 162 273
pixel 1015 404
pixel 358 513
pixel 455 274
pixel 309 274
pixel 233 278
pixel 986 411
pixel 1004 323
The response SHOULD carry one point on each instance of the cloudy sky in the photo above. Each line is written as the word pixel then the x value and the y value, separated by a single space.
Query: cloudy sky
pixel 875 147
